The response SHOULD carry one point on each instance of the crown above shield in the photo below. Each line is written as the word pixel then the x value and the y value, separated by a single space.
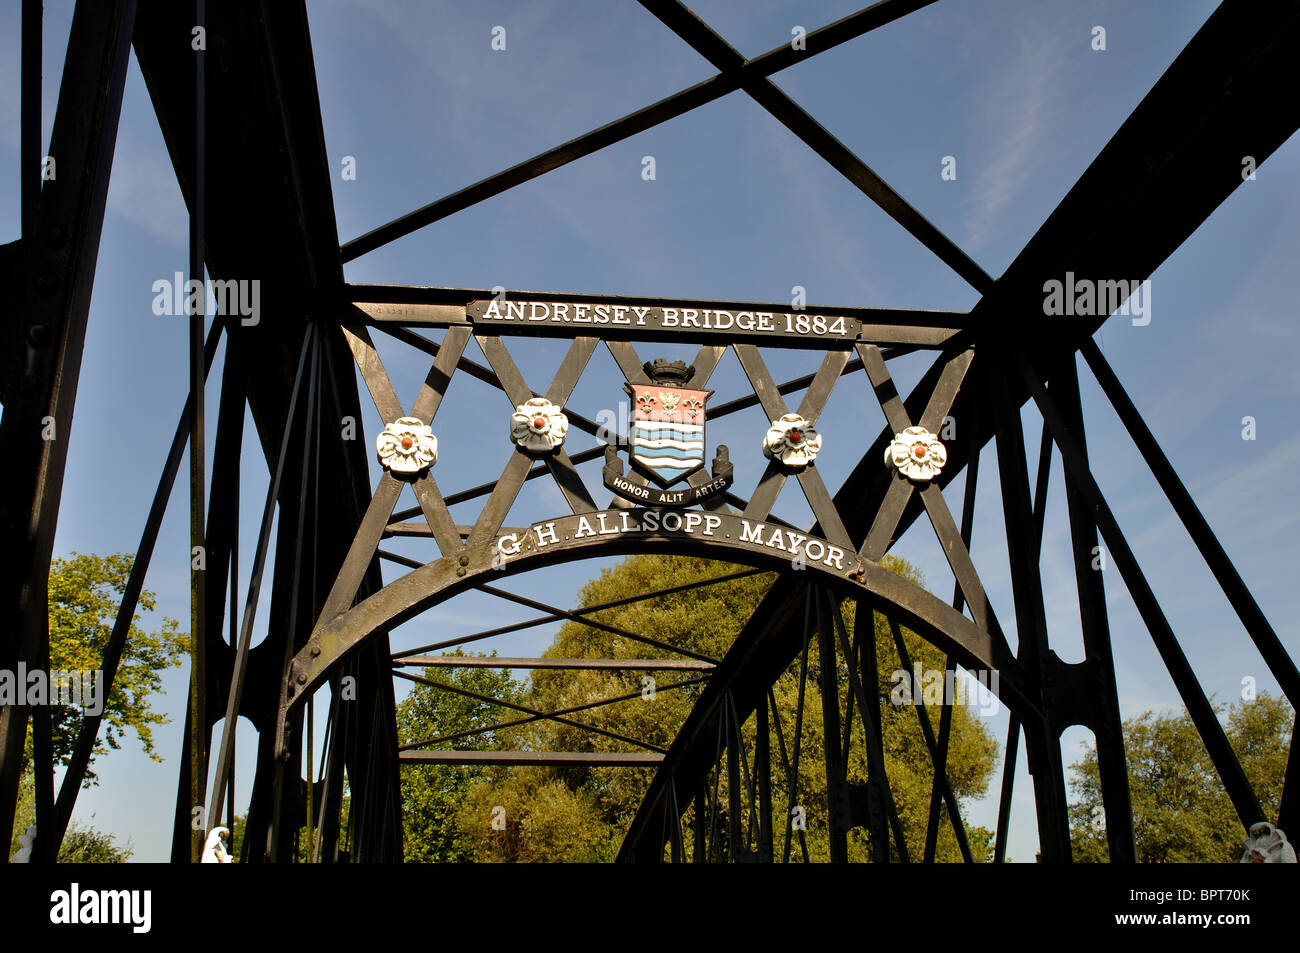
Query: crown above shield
pixel 673 373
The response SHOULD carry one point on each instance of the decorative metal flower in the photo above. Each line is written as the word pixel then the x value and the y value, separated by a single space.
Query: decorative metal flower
pixel 792 441
pixel 918 453
pixel 407 445
pixel 538 426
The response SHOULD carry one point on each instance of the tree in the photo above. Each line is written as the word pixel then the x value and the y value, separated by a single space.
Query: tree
pixel 1181 812
pixel 82 844
pixel 541 821
pixel 972 752
pixel 581 813
pixel 238 824
pixel 432 795
pixel 84 593
pixel 86 845
pixel 530 814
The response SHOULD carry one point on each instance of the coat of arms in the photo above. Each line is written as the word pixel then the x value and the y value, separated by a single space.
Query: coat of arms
pixel 666 438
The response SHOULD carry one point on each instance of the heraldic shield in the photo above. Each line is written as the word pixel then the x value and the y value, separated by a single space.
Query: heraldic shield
pixel 667 435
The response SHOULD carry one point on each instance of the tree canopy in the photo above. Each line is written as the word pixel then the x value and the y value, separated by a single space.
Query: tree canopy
pixel 82 843
pixel 1181 812
pixel 581 814
pixel 431 798
pixel 85 591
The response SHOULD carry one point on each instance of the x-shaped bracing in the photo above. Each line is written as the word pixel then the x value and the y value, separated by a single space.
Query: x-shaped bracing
pixel 881 535
pixel 365 543
pixel 737 73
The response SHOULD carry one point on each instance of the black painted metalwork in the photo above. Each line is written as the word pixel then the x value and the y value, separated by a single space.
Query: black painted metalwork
pixel 330 609
pixel 198 303
pixel 43 354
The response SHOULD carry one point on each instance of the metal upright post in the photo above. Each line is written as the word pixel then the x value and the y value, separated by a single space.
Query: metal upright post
pixel 733 742
pixel 1042 741
pixel 763 772
pixel 44 345
pixel 1112 764
pixel 830 692
pixel 29 141
pixel 198 736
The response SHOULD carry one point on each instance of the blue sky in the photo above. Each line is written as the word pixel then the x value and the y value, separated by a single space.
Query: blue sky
pixel 739 209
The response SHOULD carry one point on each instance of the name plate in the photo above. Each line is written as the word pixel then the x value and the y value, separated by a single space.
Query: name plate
pixel 567 316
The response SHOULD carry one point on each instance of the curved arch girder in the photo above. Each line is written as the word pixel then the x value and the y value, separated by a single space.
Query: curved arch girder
pixel 616 532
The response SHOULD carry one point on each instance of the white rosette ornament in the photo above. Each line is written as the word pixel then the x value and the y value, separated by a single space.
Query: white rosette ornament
pixel 538 426
pixel 792 441
pixel 407 445
pixel 918 453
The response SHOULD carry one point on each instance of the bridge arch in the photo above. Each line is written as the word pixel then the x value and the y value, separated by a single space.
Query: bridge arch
pixel 285 366
pixel 625 531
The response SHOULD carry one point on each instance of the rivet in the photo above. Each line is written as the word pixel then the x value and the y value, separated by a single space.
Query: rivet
pixel 302 678
pixel 464 560
pixel 38 335
pixel 460 571
pixel 315 651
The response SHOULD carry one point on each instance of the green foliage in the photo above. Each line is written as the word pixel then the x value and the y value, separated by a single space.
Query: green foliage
pixel 538 817
pixel 581 813
pixel 432 795
pixel 237 825
pixel 24 810
pixel 82 844
pixel 86 845
pixel 1181 812
pixel 84 594
pixel 972 752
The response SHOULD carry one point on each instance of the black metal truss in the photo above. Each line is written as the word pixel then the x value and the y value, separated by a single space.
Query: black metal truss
pixel 1177 155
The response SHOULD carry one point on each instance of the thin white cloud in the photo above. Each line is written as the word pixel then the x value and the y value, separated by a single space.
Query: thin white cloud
pixel 1012 125
pixel 1271 530
pixel 828 228
pixel 9 89
pixel 143 190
